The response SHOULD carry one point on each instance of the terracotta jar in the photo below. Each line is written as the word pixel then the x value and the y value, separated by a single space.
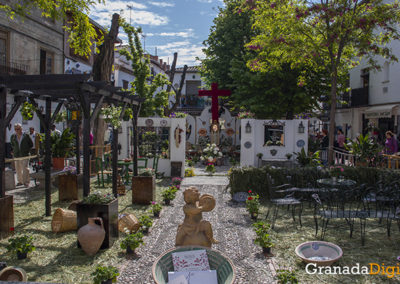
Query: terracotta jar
pixel 91 236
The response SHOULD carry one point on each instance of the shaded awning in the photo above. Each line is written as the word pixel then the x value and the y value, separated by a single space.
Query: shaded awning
pixel 380 111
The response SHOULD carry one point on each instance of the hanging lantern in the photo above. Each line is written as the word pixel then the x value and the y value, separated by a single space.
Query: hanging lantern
pixel 248 127
pixel 301 127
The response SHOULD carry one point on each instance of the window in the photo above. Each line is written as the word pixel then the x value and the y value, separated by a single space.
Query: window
pixel 46 62
pixel 3 48
pixel 386 70
pixel 365 77
pixel 125 84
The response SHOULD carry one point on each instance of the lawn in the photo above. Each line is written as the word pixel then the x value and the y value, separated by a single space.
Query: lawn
pixel 377 249
pixel 57 258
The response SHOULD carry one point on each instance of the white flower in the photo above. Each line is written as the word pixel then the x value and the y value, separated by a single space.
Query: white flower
pixel 215 152
pixel 213 144
pixel 220 154
pixel 210 159
pixel 216 148
pixel 202 158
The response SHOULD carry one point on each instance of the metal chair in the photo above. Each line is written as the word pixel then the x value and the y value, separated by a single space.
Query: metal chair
pixel 288 201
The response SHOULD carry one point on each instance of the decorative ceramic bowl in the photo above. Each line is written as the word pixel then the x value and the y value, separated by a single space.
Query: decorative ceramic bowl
pixel 223 265
pixel 11 273
pixel 318 252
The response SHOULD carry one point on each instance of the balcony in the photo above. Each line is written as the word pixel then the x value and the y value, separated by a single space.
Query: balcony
pixel 344 100
pixel 359 97
pixel 13 68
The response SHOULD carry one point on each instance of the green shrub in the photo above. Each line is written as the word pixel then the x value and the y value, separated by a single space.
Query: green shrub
pixel 256 179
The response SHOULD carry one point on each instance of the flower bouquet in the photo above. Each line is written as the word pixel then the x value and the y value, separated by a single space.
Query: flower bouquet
pixel 211 153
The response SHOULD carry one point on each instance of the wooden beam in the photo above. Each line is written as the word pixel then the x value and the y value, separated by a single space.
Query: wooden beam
pixel 86 139
pixel 96 110
pixel 115 161
pixel 3 127
pixel 47 158
pixel 13 111
pixel 135 141
pixel 56 111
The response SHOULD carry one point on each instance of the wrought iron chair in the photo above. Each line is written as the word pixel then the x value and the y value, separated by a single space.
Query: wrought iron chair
pixel 287 201
pixel 343 204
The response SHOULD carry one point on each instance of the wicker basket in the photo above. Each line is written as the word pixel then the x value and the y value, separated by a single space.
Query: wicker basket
pixel 225 269
pixel 128 221
pixel 64 221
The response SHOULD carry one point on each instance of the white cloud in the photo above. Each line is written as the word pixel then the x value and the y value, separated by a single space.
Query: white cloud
pixel 205 1
pixel 186 34
pixel 103 14
pixel 161 4
pixel 187 53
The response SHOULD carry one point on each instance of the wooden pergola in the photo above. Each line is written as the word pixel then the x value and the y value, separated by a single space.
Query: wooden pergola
pixel 61 89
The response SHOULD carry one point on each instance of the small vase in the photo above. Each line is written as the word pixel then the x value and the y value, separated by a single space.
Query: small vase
pixel 91 236
pixel 266 250
pixel 167 201
pixel 21 255
pixel 156 214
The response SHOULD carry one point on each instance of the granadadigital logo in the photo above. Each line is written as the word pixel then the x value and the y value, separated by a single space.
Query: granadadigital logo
pixel 371 269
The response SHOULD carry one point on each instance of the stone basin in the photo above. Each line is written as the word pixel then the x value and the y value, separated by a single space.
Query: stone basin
pixel 319 252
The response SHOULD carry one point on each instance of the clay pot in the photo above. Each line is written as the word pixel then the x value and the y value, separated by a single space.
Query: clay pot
pixel 21 255
pixel 91 236
pixel 254 216
pixel 266 250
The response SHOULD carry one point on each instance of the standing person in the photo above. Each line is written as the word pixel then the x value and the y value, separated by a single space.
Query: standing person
pixel 340 139
pixel 55 130
pixel 391 146
pixel 21 145
pixel 35 140
pixel 324 146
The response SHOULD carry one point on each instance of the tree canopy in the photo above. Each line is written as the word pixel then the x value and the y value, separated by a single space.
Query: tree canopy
pixel 74 13
pixel 326 35
pixel 271 93
pixel 156 98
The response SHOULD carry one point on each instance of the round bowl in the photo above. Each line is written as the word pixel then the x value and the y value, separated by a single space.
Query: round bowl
pixel 222 264
pixel 11 273
pixel 319 252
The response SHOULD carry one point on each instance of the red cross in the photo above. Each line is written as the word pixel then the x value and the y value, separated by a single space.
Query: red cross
pixel 214 93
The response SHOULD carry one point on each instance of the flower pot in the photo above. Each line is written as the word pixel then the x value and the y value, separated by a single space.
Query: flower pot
pixel 266 250
pixel 58 163
pixel 156 214
pixel 91 236
pixel 254 216
pixel 129 250
pixel 21 255
pixel 167 201
pixel 109 281
pixel 145 230
pixel 143 189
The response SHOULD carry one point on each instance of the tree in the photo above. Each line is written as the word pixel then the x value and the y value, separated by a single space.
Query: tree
pixel 226 58
pixel 156 98
pixel 328 35
pixel 73 12
pixel 178 92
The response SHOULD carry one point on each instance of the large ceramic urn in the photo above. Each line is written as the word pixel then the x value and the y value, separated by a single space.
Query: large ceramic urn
pixel 91 236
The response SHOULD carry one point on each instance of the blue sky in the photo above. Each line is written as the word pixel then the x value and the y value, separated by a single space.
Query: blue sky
pixel 171 26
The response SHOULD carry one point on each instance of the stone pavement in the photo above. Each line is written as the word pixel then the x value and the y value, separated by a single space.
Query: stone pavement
pixel 231 226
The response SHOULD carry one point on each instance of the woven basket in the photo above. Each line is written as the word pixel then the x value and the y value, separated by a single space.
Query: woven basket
pixel 64 221
pixel 225 269
pixel 128 221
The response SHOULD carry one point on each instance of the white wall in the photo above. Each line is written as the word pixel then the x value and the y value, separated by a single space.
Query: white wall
pixel 177 154
pixel 248 156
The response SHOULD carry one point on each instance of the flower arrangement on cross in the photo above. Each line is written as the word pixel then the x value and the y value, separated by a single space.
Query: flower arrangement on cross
pixel 211 153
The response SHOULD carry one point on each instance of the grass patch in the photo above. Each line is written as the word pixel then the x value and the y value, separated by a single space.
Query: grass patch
pixel 57 258
pixel 378 247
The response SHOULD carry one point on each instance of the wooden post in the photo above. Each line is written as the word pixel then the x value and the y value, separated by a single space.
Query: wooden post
pixel 115 161
pixel 77 149
pixel 47 158
pixel 3 110
pixel 135 141
pixel 86 142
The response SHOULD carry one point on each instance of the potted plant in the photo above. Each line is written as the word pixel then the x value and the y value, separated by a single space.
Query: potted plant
pixel 128 114
pixel 189 172
pixel 21 246
pixel 27 110
pixel 105 274
pixel 132 242
pixel 286 277
pixel 61 147
pixel 143 187
pixel 100 205
pixel 169 194
pixel 253 205
pixel 112 115
pixel 177 181
pixel 145 223
pixel 305 159
pixel 289 156
pixel 156 208
pixel 365 150
pixel 210 169
pixel 264 240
